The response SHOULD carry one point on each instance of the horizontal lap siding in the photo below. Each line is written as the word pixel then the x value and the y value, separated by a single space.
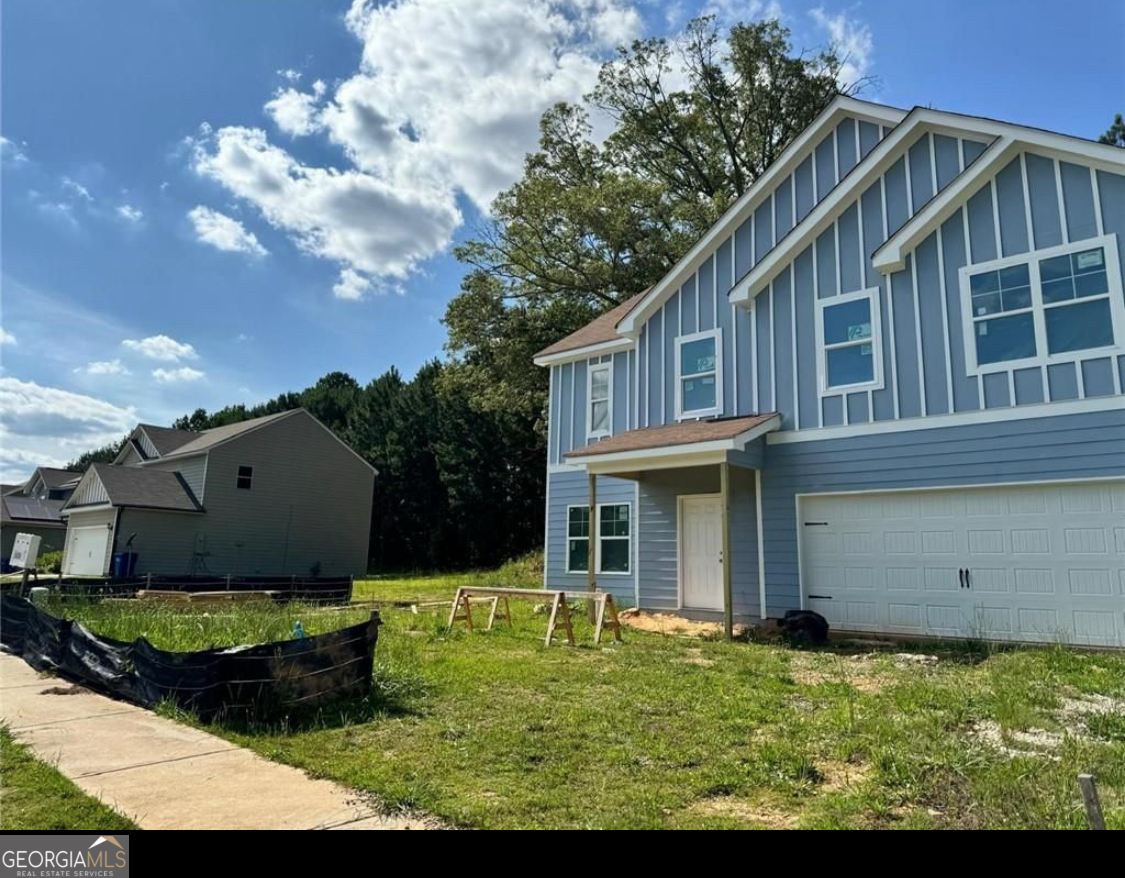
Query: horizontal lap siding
pixel 1061 447
pixel 193 470
pixel 569 488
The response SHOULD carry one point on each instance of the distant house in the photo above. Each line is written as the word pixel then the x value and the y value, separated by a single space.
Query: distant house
pixel 886 385
pixel 278 495
pixel 34 508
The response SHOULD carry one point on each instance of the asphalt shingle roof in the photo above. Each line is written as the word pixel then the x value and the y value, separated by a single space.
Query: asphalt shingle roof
pixel 209 438
pixel 145 487
pixel 681 433
pixel 598 330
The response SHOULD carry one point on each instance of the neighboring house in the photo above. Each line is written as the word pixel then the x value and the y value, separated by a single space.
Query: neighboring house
pixel 891 375
pixel 34 508
pixel 278 495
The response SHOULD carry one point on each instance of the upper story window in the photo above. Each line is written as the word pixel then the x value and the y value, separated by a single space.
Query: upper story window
pixel 699 374
pixel 245 477
pixel 1044 307
pixel 599 392
pixel 849 340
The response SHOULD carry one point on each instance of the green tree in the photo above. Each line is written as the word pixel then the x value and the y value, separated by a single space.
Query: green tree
pixel 1115 134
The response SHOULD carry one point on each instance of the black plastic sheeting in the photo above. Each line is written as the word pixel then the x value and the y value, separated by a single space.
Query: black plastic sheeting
pixel 261 680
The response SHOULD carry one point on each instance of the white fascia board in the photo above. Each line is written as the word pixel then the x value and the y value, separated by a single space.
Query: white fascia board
pixel 891 256
pixel 918 121
pixel 77 510
pixel 171 458
pixel 959 419
pixel 600 349
pixel 685 454
pixel 792 156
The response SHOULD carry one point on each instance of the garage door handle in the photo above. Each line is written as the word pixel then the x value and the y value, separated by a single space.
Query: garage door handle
pixel 961 576
pixel 968 578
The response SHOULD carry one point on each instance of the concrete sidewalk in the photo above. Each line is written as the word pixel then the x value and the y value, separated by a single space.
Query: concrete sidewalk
pixel 164 775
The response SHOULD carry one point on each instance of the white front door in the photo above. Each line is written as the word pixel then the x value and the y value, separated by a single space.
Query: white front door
pixel 86 551
pixel 701 551
pixel 1037 562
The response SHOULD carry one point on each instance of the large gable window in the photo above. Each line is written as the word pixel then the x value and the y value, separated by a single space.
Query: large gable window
pixel 1045 307
pixel 699 374
pixel 848 339
pixel 599 392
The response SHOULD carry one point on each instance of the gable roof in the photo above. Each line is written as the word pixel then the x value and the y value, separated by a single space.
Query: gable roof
pixel 140 487
pixel 208 439
pixel 598 331
pixel 52 477
pixel 792 156
pixel 165 439
pixel 1007 139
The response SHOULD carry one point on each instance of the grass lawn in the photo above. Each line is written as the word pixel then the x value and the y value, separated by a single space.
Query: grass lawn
pixel 34 797
pixel 493 730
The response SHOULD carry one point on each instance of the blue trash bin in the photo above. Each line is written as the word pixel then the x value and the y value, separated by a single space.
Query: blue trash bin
pixel 124 564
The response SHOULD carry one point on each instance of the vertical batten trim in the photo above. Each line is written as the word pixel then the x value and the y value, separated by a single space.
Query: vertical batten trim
pixel 1096 193
pixel 755 376
pixel 945 318
pixel 969 261
pixel 1029 220
pixel 918 333
pixel 933 163
pixel 773 351
pixel 960 154
pixel 890 307
pixel 573 402
pixel 909 182
pixel 1062 202
pixel 816 350
pixel 733 319
pixel 793 340
pixel 663 363
pixel 994 195
pixel 1011 387
pixel 863 276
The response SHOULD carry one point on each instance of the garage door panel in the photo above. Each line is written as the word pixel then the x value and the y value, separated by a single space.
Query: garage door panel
pixel 1046 562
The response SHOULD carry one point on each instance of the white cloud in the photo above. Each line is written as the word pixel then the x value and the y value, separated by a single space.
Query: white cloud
pixel 103 367
pixel 294 112
pixel 161 347
pixel 77 188
pixel 12 153
pixel 169 376
pixel 6 337
pixel 224 232
pixel 852 41
pixel 129 213
pixel 446 101
pixel 290 74
pixel 17 464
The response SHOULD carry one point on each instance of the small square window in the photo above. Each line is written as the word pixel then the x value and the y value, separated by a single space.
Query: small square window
pixel 848 337
pixel 245 477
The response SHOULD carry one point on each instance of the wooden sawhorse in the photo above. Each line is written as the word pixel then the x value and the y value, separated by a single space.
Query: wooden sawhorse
pixel 605 609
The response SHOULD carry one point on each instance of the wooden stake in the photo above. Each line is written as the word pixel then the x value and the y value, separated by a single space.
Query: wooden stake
pixel 1091 801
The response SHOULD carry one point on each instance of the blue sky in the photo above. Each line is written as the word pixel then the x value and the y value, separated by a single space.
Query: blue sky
pixel 208 202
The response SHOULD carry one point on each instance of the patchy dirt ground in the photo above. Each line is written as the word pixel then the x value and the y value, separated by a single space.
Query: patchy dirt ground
pixel 667 623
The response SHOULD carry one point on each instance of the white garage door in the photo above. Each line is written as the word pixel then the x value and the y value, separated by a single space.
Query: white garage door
pixel 1041 562
pixel 86 551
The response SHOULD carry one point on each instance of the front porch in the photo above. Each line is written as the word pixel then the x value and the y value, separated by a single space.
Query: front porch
pixel 696 522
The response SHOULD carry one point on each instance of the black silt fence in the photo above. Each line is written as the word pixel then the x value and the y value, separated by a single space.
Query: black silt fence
pixel 260 680
pixel 321 590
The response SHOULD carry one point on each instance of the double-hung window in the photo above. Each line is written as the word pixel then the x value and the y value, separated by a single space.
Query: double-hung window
pixel 1043 307
pixel 614 538
pixel 849 339
pixel 599 391
pixel 699 374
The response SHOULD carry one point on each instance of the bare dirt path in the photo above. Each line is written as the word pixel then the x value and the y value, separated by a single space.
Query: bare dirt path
pixel 164 775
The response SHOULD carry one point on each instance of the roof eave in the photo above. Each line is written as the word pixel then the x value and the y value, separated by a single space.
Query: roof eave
pixel 601 348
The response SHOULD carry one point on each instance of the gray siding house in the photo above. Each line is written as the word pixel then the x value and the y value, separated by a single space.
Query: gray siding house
pixel 278 495
pixel 888 381
pixel 34 508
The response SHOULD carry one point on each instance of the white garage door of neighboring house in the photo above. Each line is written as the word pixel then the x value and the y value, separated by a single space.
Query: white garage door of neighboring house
pixel 86 550
pixel 1043 562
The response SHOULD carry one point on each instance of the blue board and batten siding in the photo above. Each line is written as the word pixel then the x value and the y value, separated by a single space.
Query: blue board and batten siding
pixel 1035 201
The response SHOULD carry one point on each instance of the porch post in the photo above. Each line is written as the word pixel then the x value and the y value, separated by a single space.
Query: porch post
pixel 724 491
pixel 591 543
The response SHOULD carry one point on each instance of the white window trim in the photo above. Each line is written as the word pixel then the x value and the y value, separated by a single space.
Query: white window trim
pixel 717 409
pixel 594 529
pixel 592 367
pixel 871 294
pixel 1038 309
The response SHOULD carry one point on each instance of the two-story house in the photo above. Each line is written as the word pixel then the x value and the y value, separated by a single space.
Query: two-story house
pixel 34 508
pixel 277 495
pixel 885 386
